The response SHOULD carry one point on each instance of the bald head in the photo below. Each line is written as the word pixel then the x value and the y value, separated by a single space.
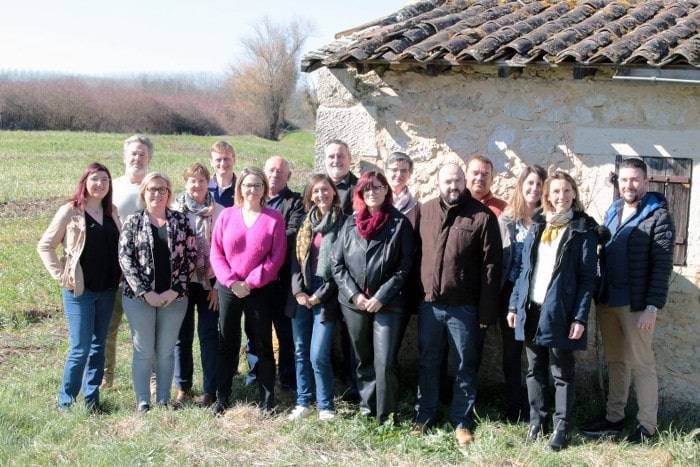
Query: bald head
pixel 278 173
pixel 450 182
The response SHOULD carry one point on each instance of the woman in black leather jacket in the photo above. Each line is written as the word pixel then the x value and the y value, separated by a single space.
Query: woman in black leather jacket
pixel 371 261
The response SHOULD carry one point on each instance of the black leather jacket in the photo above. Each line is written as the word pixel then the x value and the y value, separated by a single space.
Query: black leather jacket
pixel 378 267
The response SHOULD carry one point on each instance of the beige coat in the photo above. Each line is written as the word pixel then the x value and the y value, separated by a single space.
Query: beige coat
pixel 66 228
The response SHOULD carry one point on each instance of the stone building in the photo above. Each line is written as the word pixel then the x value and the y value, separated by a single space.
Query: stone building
pixel 575 85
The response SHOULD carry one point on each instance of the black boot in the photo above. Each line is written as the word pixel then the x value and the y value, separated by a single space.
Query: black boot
pixel 533 431
pixel 559 439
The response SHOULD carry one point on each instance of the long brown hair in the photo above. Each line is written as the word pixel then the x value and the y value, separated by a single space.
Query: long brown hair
pixel 78 198
pixel 308 191
pixel 517 207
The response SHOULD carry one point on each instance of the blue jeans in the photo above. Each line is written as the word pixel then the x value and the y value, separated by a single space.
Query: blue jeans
pixel 88 320
pixel 154 331
pixel 208 333
pixel 313 341
pixel 458 326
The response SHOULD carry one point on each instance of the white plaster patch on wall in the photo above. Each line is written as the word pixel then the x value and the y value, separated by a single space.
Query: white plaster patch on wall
pixel 354 125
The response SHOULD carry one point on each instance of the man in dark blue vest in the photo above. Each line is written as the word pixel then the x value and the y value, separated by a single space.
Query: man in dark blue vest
pixel 638 261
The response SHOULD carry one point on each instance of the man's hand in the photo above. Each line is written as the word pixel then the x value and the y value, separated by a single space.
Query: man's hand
pixel 303 299
pixel 576 330
pixel 510 319
pixel 646 321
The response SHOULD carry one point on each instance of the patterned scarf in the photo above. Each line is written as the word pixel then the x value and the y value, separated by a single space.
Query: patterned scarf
pixel 327 225
pixel 368 225
pixel 555 224
pixel 404 201
pixel 203 219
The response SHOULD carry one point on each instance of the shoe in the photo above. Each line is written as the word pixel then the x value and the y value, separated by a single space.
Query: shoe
pixel 218 409
pixel 419 429
pixel 559 439
pixel 206 400
pixel 639 435
pixel 325 414
pixel 602 427
pixel 533 432
pixel 143 407
pixel 183 395
pixel 464 436
pixel 300 412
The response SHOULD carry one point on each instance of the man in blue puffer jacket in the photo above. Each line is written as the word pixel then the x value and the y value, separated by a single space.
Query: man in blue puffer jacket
pixel 636 271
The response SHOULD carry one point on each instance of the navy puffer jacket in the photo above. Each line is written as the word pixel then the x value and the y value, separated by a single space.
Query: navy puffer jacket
pixel 649 253
pixel 570 290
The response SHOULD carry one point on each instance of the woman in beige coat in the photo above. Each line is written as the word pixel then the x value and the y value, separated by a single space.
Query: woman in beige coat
pixel 87 227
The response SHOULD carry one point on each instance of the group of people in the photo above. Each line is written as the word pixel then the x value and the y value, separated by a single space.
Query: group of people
pixel 361 255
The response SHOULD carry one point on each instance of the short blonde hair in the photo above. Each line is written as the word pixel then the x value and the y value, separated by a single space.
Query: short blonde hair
pixel 238 196
pixel 148 179
pixel 195 169
pixel 222 147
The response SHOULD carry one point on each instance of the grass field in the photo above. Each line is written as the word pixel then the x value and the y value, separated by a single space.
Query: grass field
pixel 40 169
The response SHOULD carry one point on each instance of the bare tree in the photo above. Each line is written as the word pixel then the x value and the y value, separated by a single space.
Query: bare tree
pixel 262 83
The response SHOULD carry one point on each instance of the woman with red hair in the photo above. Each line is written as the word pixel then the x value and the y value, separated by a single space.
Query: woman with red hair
pixel 371 261
pixel 87 226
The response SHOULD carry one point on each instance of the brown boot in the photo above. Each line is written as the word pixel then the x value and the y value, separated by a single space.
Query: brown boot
pixel 206 400
pixel 464 436
pixel 182 395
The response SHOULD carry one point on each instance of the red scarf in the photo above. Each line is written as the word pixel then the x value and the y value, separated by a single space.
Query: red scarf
pixel 368 225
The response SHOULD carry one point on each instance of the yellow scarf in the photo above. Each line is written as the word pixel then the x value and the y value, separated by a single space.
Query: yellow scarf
pixel 556 223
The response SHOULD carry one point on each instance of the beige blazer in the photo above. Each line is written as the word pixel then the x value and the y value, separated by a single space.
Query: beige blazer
pixel 67 228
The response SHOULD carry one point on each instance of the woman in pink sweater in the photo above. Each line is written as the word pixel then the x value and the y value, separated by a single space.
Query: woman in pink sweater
pixel 248 249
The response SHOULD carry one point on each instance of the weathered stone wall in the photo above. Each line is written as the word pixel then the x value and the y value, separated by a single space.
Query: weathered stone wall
pixel 543 117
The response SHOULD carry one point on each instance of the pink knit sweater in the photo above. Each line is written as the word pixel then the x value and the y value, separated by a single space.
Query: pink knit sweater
pixel 252 254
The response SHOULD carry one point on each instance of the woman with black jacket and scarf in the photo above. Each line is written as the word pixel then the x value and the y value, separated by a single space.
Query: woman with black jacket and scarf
pixel 317 296
pixel 371 261
pixel 551 299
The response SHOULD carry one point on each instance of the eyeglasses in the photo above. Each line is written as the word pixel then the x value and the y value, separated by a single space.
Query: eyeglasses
pixel 374 188
pixel 161 190
pixel 252 186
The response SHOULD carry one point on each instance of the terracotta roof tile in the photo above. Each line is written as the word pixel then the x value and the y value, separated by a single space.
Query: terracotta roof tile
pixel 518 32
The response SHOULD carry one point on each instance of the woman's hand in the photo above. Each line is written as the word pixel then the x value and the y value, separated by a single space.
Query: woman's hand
pixel 576 330
pixel 213 299
pixel 373 305
pixel 360 301
pixel 510 319
pixel 240 289
pixel 314 300
pixel 303 299
pixel 168 297
pixel 153 299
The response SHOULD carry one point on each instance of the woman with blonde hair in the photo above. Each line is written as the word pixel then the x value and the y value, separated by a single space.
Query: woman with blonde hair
pixel 550 301
pixel 515 223
pixel 157 255
pixel 249 246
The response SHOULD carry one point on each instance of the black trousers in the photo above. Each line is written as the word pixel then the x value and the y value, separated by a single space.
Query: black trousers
pixel 374 338
pixel 512 356
pixel 561 364
pixel 258 328
pixel 280 295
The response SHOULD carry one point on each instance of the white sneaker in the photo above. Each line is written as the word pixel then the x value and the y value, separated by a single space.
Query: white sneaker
pixel 300 412
pixel 325 414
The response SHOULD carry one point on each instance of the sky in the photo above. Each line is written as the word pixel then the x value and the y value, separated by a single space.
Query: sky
pixel 115 37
